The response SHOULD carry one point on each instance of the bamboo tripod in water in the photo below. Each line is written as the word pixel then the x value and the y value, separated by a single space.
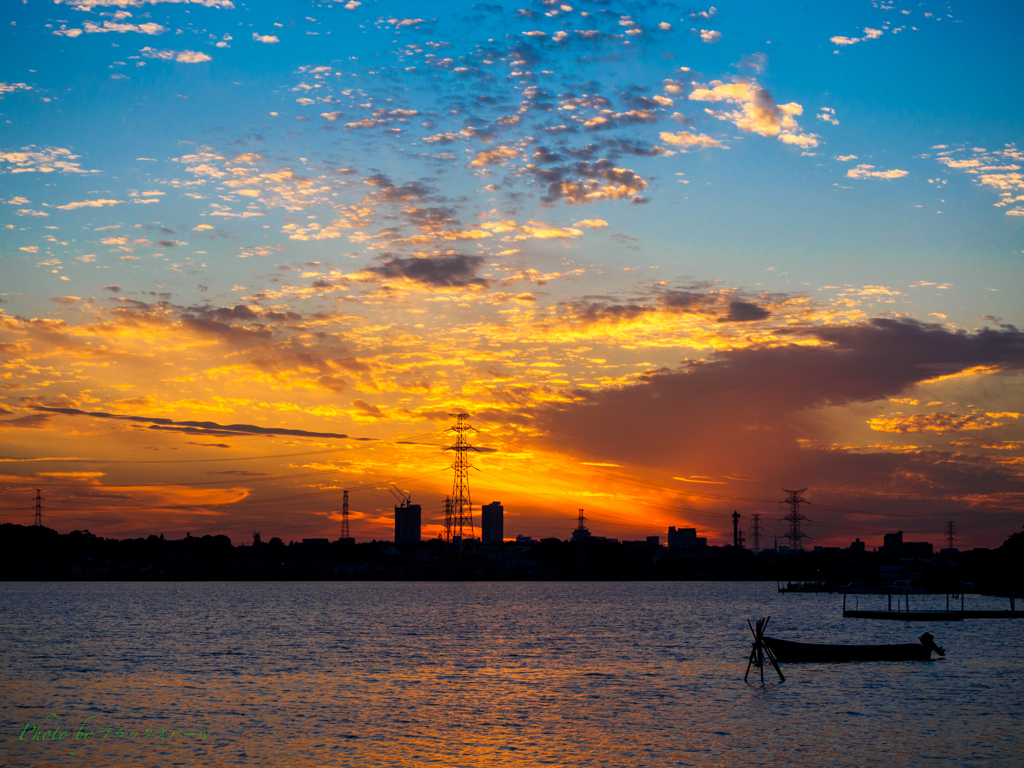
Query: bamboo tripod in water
pixel 760 651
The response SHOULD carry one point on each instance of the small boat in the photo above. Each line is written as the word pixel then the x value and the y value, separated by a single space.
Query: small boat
pixel 786 651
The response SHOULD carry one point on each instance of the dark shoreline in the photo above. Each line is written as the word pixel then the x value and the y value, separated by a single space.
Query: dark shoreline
pixel 37 553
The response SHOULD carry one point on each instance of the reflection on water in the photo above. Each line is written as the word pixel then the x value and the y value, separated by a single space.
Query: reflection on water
pixel 473 674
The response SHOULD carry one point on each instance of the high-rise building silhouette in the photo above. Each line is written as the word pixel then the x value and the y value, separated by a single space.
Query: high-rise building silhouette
pixel 492 523
pixel 407 522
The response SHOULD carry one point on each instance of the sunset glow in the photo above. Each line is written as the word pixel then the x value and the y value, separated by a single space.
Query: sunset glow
pixel 672 260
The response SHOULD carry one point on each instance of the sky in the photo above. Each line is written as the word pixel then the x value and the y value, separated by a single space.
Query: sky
pixel 672 259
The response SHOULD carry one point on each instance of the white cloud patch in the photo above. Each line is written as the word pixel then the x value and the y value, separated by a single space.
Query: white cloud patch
pixel 687 140
pixel 868 172
pixel 496 156
pixel 88 204
pixel 31 159
pixel 1000 170
pixel 12 87
pixel 113 26
pixel 185 57
pixel 710 35
pixel 758 112
pixel 869 34
pixel 271 39
pixel 828 115
pixel 88 5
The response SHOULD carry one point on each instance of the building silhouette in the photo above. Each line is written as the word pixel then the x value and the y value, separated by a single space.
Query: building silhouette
pixel 407 522
pixel 685 538
pixel 492 523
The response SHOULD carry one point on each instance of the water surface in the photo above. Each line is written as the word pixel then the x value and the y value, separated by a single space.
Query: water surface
pixel 485 674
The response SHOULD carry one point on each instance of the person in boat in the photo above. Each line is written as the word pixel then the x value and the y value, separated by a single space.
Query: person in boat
pixel 928 641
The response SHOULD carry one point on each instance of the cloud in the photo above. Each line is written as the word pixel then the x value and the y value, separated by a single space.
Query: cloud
pixel 197 427
pixel 591 223
pixel 271 39
pixel 192 57
pixel 32 421
pixel 934 422
pixel 88 204
pixel 760 410
pixel 710 36
pixel 866 172
pixel 496 156
pixel 31 159
pixel 12 87
pixel 587 182
pixel 869 34
pixel 758 111
pixel 744 312
pixel 113 26
pixel 828 115
pixel 88 5
pixel 185 57
pixel 447 271
pixel 999 170
pixel 686 139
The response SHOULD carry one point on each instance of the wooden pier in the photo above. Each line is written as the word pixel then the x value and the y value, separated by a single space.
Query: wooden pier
pixel 932 615
pixel 946 615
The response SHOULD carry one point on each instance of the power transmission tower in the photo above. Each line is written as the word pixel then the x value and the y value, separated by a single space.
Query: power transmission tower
pixel 39 508
pixel 736 530
pixel 449 523
pixel 755 532
pixel 344 516
pixel 580 536
pixel 581 531
pixel 950 534
pixel 794 518
pixel 461 504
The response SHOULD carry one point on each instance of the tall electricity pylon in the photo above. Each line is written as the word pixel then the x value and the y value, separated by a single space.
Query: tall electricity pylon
pixel 39 508
pixel 459 522
pixel 794 518
pixel 344 516
pixel 950 534
pixel 755 533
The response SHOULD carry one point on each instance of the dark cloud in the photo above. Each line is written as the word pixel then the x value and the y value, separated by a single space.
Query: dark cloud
pixel 32 421
pixel 241 473
pixel 585 182
pixel 452 271
pixel 430 219
pixel 195 427
pixel 744 312
pixel 112 288
pixel 747 410
pixel 410 192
